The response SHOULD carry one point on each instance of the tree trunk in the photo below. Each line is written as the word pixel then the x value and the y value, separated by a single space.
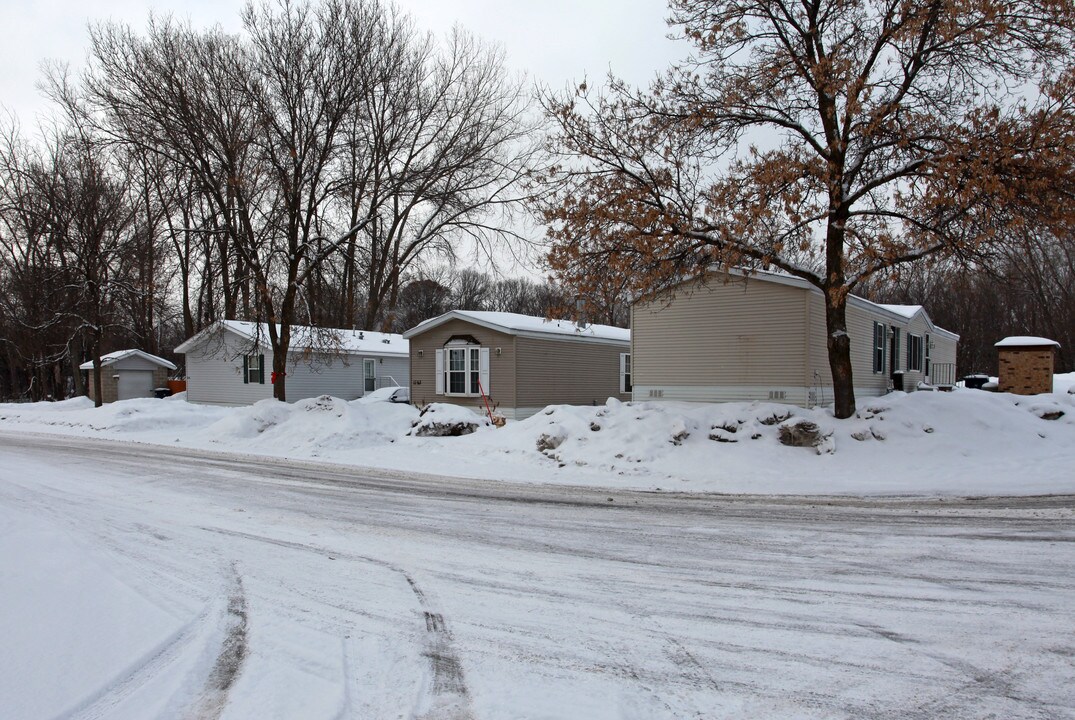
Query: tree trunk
pixel 97 402
pixel 76 374
pixel 279 369
pixel 839 347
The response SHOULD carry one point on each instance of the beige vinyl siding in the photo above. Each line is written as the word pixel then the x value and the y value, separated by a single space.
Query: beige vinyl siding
pixel 860 319
pixel 917 325
pixel 753 339
pixel 735 333
pixel 944 349
pixel 501 367
pixel 567 372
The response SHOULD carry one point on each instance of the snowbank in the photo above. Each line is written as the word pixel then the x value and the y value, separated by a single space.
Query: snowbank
pixel 1064 383
pixel 964 442
pixel 308 428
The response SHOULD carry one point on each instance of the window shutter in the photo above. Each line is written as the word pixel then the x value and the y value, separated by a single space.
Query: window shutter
pixel 623 372
pixel 261 369
pixel 440 372
pixel 246 369
pixel 895 349
pixel 483 371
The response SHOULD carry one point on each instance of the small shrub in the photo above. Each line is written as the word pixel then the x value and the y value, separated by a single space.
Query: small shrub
pixel 775 418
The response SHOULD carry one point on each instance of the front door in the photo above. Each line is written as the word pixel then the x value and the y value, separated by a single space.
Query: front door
pixel 369 375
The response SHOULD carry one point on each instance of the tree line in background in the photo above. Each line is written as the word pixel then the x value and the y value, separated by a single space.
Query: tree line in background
pixel 301 171
pixel 1022 288
pixel 332 165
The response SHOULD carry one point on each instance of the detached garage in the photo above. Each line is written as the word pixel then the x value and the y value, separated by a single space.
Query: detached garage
pixel 127 374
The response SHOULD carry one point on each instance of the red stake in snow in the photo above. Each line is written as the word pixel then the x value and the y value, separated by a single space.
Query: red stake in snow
pixel 486 399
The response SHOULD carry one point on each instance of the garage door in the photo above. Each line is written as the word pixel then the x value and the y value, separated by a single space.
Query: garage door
pixel 135 384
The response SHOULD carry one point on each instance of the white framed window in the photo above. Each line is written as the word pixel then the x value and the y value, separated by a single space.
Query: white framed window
pixel 254 369
pixel 625 373
pixel 879 332
pixel 914 352
pixel 463 371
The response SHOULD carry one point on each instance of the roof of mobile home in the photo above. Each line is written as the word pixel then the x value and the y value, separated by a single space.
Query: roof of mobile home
pixel 527 325
pixel 351 342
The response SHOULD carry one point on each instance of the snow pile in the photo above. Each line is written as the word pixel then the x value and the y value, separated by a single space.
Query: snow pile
pixel 446 420
pixel 310 427
pixel 141 415
pixel 963 442
pixel 968 441
pixel 1064 383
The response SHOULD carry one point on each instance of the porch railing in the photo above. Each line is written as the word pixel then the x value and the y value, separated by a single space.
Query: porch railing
pixel 942 374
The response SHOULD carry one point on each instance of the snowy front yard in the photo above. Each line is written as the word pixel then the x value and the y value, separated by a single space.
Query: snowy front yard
pixel 963 443
pixel 155 582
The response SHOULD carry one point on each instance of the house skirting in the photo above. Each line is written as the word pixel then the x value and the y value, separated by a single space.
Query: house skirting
pixel 789 394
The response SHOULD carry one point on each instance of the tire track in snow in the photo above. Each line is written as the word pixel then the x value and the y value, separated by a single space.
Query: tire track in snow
pixel 449 697
pixel 450 700
pixel 230 659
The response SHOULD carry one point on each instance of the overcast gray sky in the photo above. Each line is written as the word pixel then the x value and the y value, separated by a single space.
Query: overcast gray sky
pixel 554 41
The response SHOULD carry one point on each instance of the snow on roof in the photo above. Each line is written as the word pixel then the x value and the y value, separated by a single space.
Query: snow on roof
pixel 515 323
pixel 356 342
pixel 1026 341
pixel 118 355
pixel 353 342
pixel 907 311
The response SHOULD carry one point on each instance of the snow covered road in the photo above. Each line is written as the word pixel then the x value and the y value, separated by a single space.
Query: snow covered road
pixel 145 581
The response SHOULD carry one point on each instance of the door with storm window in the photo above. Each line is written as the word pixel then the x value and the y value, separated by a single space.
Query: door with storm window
pixel 369 375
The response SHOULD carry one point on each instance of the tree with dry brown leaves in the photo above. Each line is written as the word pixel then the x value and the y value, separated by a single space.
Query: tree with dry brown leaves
pixel 829 139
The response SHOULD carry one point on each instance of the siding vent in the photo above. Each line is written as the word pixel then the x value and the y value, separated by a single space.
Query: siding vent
pixel 656 393
pixel 778 395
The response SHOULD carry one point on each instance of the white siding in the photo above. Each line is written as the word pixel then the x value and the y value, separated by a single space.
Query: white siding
pixel 215 374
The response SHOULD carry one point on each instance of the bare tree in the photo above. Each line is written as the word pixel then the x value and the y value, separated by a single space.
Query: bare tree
pixel 313 159
pixel 451 143
pixel 71 232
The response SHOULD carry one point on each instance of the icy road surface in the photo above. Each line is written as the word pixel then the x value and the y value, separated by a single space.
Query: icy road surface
pixel 141 581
